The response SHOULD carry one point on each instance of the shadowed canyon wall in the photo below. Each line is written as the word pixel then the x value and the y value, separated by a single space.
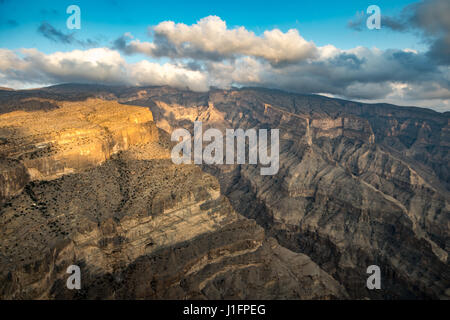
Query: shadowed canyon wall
pixel 358 185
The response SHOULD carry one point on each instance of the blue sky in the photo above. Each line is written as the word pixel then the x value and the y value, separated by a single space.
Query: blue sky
pixel 324 22
pixel 300 46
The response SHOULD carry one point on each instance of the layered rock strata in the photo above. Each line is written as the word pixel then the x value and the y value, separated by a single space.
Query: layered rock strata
pixel 358 184
pixel 73 137
pixel 137 225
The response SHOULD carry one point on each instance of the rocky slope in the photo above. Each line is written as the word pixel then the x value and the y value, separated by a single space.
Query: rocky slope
pixel 136 224
pixel 45 144
pixel 358 185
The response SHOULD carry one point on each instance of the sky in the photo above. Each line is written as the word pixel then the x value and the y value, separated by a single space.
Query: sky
pixel 320 47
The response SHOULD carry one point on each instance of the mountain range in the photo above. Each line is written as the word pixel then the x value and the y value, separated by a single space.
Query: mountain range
pixel 86 179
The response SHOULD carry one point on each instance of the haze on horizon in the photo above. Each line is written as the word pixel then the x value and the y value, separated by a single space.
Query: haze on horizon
pixel 322 48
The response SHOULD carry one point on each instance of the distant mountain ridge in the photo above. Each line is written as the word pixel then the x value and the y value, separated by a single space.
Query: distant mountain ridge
pixel 64 91
pixel 359 184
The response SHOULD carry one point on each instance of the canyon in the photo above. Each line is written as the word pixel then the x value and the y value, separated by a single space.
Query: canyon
pixel 86 178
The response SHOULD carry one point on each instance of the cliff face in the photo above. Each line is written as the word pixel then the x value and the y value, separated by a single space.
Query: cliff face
pixel 358 185
pixel 71 138
pixel 13 178
pixel 136 224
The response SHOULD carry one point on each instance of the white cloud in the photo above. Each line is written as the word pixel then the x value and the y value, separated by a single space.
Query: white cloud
pixel 99 65
pixel 210 54
pixel 148 73
pixel 210 38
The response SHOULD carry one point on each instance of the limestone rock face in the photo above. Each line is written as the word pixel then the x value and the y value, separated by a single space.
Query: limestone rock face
pixel 145 229
pixel 137 225
pixel 73 137
pixel 13 178
pixel 358 185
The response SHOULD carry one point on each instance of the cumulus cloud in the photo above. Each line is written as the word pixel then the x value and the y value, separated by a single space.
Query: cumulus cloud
pixel 99 65
pixel 210 39
pixel 208 53
pixel 428 18
pixel 359 73
pixel 148 73
pixel 135 46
